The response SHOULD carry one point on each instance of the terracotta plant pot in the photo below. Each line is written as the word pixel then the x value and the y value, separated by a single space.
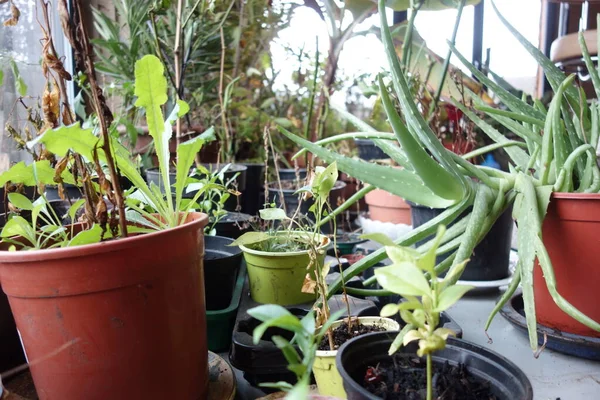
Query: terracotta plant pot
pixel 386 207
pixel 122 318
pixel 570 232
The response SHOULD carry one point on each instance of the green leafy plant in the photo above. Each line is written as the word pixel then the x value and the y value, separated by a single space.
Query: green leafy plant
pixel 307 336
pixel 412 275
pixel 556 153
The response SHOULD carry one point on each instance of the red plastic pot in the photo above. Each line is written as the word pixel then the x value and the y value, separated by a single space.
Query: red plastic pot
pixel 118 319
pixel 386 207
pixel 571 233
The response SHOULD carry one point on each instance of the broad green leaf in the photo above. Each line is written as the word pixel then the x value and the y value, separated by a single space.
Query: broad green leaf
pixel 183 108
pixel 404 279
pixel 268 311
pixel 402 254
pixel 18 226
pixel 450 296
pixel 272 214
pixel 400 182
pixel 325 179
pixel 411 336
pixel 389 309
pixel 444 333
pixel 22 173
pixel 186 154
pixel 20 201
pixel 61 140
pixel 440 181
pixel 88 236
pixel 137 218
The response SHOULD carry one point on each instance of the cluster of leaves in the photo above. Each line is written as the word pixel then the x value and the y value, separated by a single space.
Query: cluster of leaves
pixel 307 338
pixel 556 152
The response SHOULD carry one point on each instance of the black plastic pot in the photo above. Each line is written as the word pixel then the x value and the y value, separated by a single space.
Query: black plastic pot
pixel 368 151
pixel 221 265
pixel 233 225
pixel 11 351
pixel 289 174
pixel 255 181
pixel 292 200
pixel 489 261
pixel 264 362
pixel 507 381
pixel 73 192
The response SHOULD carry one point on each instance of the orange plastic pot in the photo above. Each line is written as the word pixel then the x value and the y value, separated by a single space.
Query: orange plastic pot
pixel 386 207
pixel 571 233
pixel 121 319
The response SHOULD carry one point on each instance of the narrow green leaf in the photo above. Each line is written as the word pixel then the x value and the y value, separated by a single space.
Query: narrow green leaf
pixel 400 182
pixel 389 310
pixel 379 237
pixel 450 296
pixel 397 343
pixel 418 127
pixel 439 180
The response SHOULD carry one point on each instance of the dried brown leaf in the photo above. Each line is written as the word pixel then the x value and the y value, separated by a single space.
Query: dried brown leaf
pixel 15 14
pixel 309 284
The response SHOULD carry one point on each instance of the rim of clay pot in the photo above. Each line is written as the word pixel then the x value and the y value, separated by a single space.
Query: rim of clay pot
pixel 27 256
pixel 287 253
pixel 384 322
pixel 576 196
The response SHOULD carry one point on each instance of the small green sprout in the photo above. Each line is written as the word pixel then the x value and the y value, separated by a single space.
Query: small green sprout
pixel 413 276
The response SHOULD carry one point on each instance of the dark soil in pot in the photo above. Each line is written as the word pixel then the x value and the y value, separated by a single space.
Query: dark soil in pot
pixel 367 357
pixel 404 378
pixel 221 265
pixel 342 334
pixel 490 258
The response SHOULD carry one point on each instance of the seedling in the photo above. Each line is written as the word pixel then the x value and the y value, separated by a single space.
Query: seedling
pixel 413 277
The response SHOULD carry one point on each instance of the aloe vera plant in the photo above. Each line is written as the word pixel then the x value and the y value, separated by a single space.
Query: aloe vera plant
pixel 556 154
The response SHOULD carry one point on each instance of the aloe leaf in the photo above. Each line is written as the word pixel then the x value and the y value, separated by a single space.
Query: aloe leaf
pixel 396 181
pixel 513 102
pixel 394 152
pixel 445 218
pixel 418 127
pixel 554 75
pixel 437 179
pixel 513 115
pixel 481 205
pixel 572 135
pixel 519 157
pixel 528 212
pixel 590 64
pixel 349 135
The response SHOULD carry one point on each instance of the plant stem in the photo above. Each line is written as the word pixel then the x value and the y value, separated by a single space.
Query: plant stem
pixel 438 92
pixel 178 69
pixel 406 46
pixel 429 378
pixel 226 141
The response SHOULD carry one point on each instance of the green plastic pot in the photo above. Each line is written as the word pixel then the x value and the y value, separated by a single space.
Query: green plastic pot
pixel 329 380
pixel 277 278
